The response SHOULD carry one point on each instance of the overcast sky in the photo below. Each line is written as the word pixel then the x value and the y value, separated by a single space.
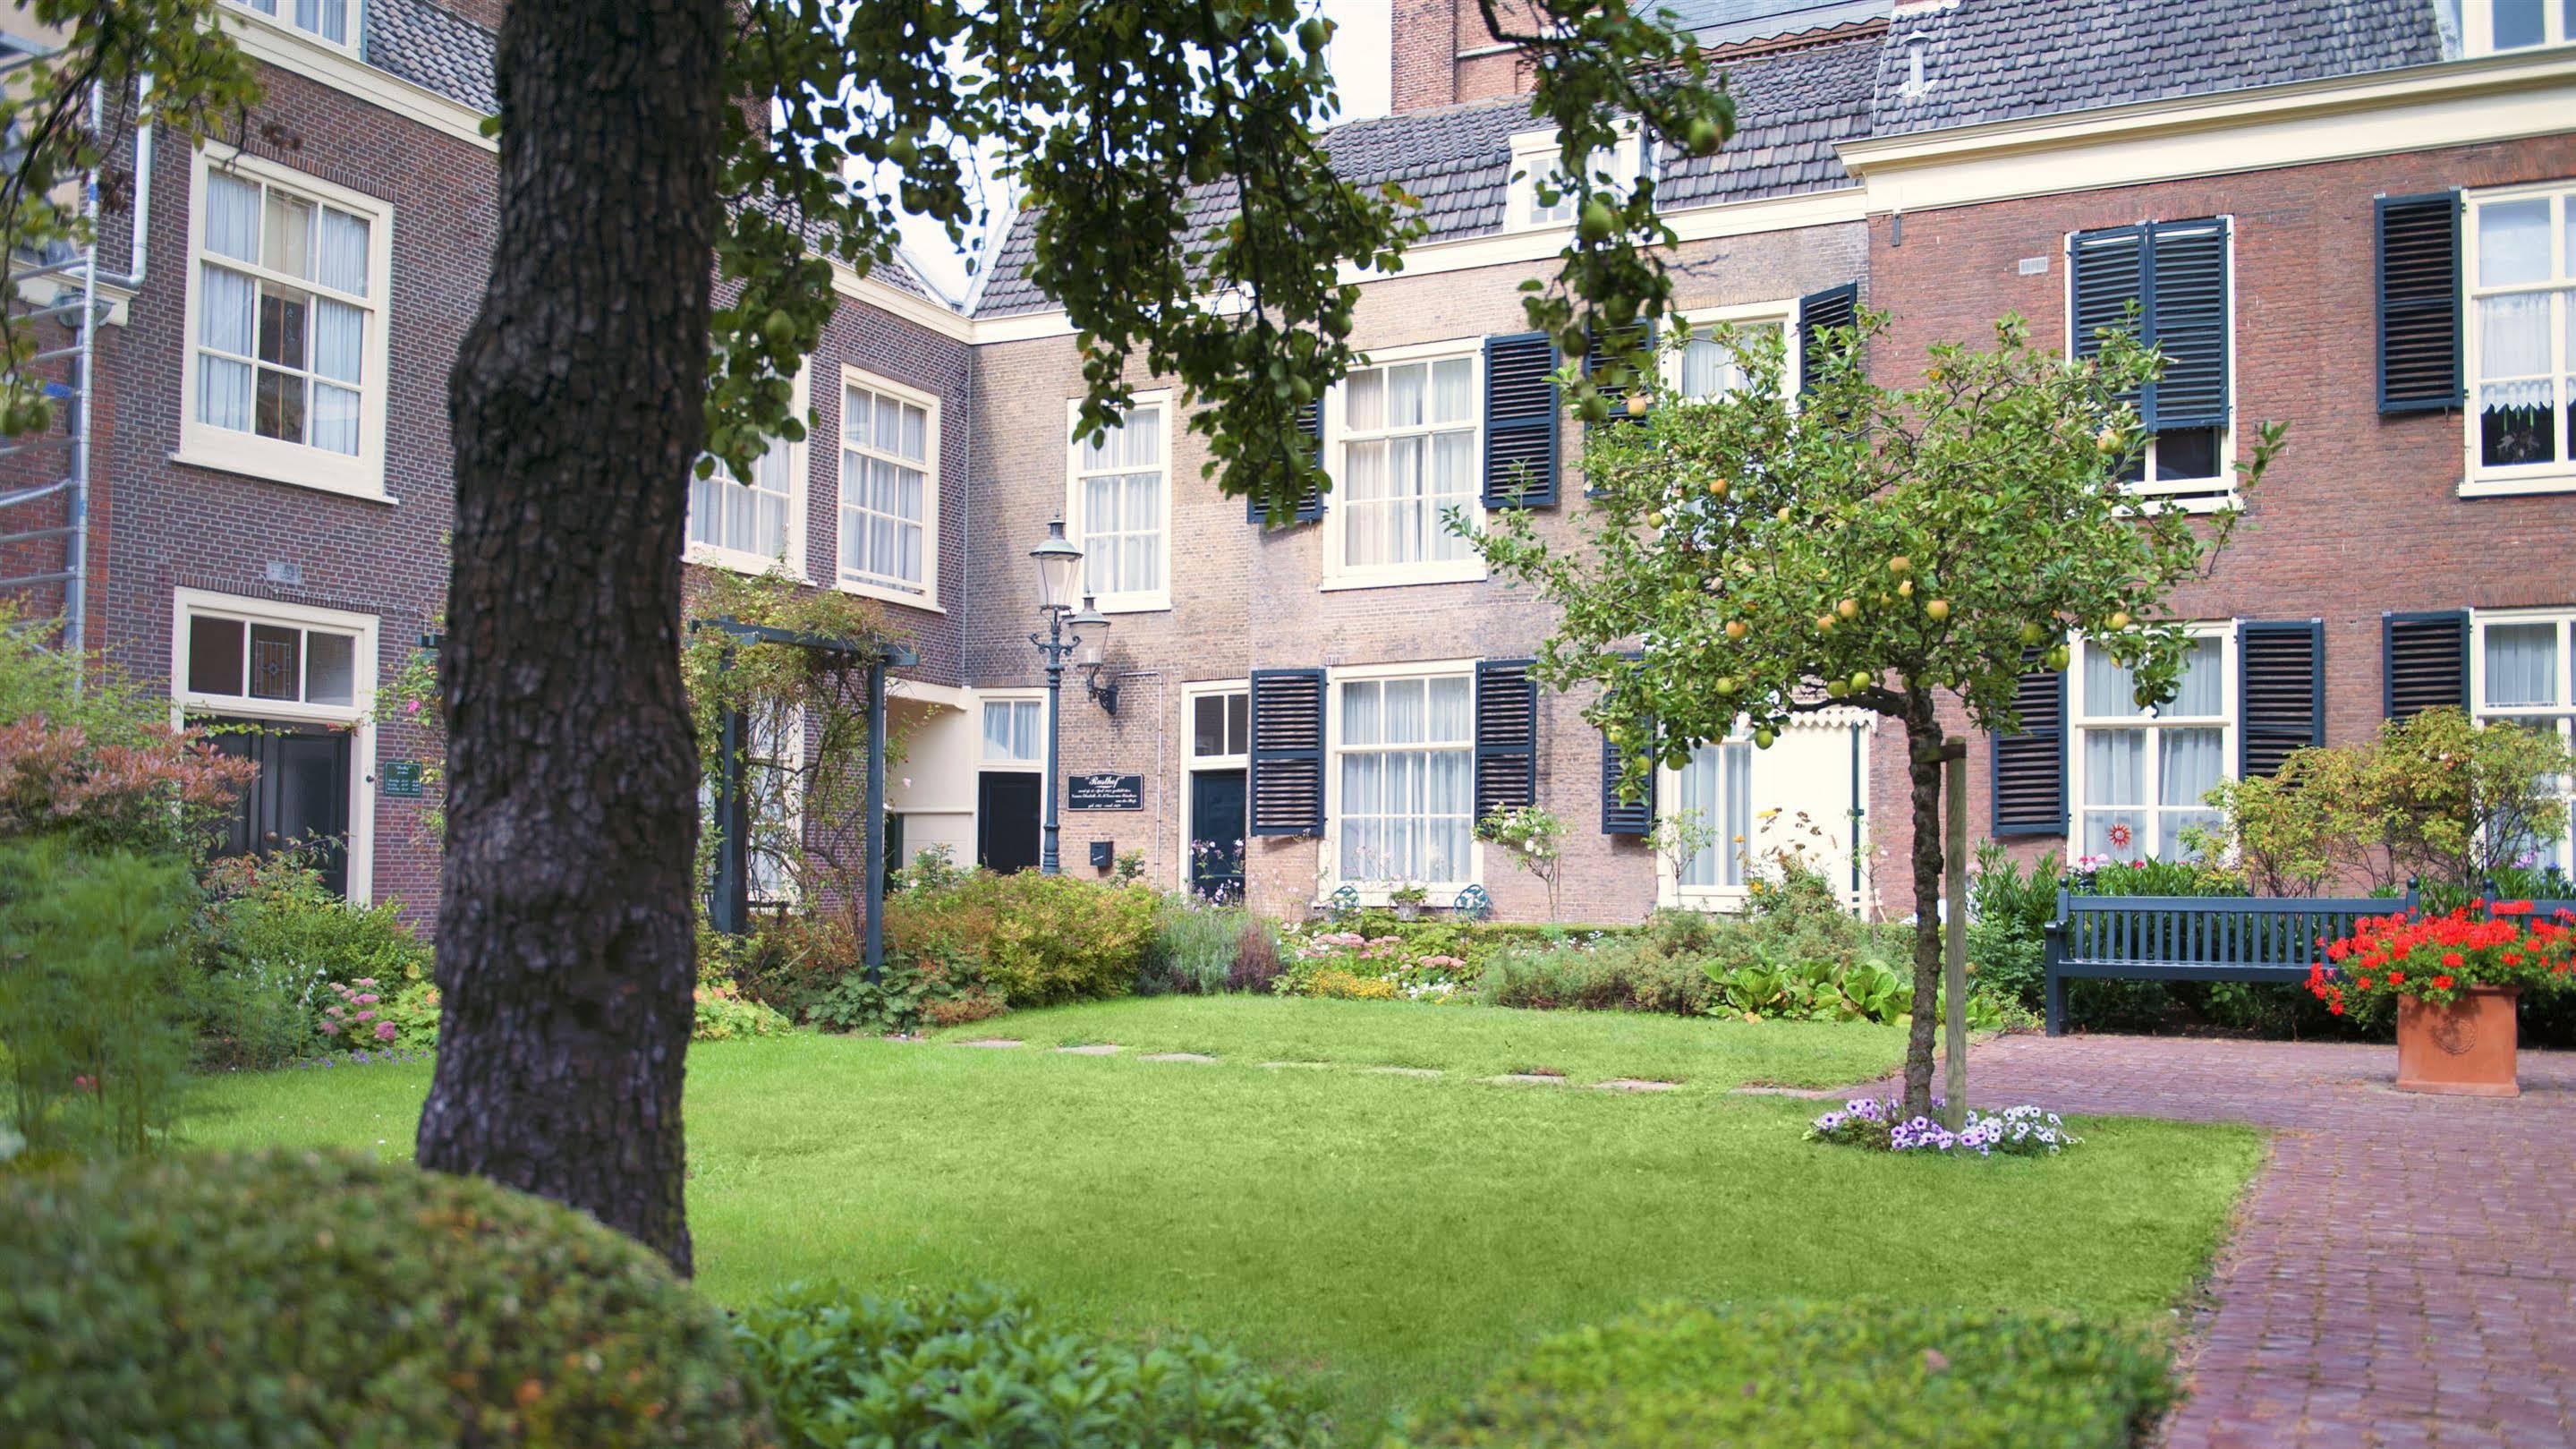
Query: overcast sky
pixel 1359 60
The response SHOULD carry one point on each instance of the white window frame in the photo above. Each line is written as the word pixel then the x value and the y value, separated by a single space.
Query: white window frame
pixel 1191 694
pixel 2477 27
pixel 1670 890
pixel 985 698
pixel 1337 572
pixel 284 19
pixel 2228 722
pixel 2216 493
pixel 207 446
pixel 1538 154
pixel 781 891
pixel 2558 476
pixel 799 498
pixel 1782 313
pixel 866 585
pixel 1077 525
pixel 2562 714
pixel 358 716
pixel 1329 859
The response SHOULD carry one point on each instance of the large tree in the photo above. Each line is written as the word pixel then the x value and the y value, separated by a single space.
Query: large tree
pixel 677 178
pixel 1896 549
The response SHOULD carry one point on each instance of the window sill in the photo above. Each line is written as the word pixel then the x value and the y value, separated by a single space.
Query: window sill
pixel 711 556
pixel 1439 895
pixel 226 460
pixel 2201 503
pixel 2509 486
pixel 1405 577
pixel 1135 604
pixel 882 594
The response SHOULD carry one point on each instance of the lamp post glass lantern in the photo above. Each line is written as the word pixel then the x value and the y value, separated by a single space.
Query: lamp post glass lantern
pixel 1059 570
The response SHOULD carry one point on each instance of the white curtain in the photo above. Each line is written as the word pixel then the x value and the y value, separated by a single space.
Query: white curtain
pixel 227 308
pixel 339 332
pixel 1453 710
pixel 1702 786
pixel 232 218
pixel 2513 242
pixel 2513 342
pixel 1453 485
pixel 2109 686
pixel 1407 396
pixel 343 260
pixel 1453 390
pixel 2203 690
pixel 1737 837
pixel 2521 665
pixel 1709 368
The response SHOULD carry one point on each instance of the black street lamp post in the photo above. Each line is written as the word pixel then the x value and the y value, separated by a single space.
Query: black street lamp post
pixel 1059 568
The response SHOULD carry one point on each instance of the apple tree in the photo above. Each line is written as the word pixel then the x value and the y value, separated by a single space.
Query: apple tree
pixel 1771 553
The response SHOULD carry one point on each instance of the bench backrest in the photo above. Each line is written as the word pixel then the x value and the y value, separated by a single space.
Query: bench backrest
pixel 2274 932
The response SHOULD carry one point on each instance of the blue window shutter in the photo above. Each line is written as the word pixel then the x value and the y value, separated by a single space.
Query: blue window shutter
pixel 2029 769
pixel 1597 358
pixel 1520 421
pixel 1620 815
pixel 1506 735
pixel 2187 318
pixel 2106 272
pixel 2419 303
pixel 1287 784
pixel 2423 662
pixel 2280 693
pixel 1310 423
pixel 1832 307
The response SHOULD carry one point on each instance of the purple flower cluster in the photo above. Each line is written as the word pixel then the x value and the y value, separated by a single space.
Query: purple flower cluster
pixel 2024 1131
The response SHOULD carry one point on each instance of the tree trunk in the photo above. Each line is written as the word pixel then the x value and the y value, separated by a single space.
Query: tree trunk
pixel 565 950
pixel 1923 741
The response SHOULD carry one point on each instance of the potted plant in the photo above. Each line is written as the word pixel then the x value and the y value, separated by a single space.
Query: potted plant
pixel 1408 899
pixel 2454 979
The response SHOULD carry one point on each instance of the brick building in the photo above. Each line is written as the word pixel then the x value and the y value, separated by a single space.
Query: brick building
pixel 2359 217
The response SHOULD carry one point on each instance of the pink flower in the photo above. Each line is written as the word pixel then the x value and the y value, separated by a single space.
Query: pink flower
pixel 384 1031
pixel 368 1000
pixel 367 983
pixel 366 1016
pixel 411 706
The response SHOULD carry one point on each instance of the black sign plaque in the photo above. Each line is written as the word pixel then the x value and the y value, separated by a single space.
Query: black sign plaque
pixel 1104 792
pixel 402 779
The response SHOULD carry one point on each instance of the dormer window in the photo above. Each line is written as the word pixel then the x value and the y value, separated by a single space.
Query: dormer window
pixel 1539 196
pixel 2496 25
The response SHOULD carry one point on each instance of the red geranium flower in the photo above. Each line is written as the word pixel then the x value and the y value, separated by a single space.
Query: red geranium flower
pixel 2396 978
pixel 2510 908
pixel 2451 958
pixel 2441 983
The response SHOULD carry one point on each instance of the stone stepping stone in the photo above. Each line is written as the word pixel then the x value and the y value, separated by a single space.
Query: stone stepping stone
pixel 991 1041
pixel 1812 1094
pixel 1176 1057
pixel 1634 1084
pixel 1420 1072
pixel 1090 1049
pixel 1529 1079
pixel 1297 1066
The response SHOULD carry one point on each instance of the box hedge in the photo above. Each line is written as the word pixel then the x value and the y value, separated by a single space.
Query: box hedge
pixel 1792 1376
pixel 290 1299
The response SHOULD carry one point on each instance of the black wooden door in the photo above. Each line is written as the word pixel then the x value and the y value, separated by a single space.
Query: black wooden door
pixel 1006 820
pixel 1216 833
pixel 300 800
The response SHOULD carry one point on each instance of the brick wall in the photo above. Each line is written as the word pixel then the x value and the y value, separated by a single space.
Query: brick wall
pixel 2360 514
pixel 1441 54
pixel 1246 598
pixel 162 525
pixel 486 13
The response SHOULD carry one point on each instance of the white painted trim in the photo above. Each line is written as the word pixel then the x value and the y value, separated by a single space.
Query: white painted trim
pixel 1012 695
pixel 2560 716
pixel 312 57
pixel 2418 108
pixel 886 297
pixel 1783 311
pixel 1670 893
pixel 2190 495
pixel 359 715
pixel 2477 28
pixel 2228 722
pixel 929 403
pixel 943 696
pixel 203 445
pixel 1536 151
pixel 1328 851
pixel 1134 601
pixel 1338 575
pixel 355 22
pixel 2477 479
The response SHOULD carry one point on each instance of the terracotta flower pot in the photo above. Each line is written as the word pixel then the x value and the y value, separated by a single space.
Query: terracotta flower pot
pixel 2465 1049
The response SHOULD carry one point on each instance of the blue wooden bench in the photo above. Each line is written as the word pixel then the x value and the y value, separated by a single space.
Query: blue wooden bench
pixel 2195 938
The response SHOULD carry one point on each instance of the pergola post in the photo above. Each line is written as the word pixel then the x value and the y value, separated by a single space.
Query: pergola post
pixel 874 864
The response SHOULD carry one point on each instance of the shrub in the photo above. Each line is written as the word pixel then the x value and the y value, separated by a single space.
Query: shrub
pixel 811 969
pixel 980 1368
pixel 724 1014
pixel 1631 975
pixel 2023 1131
pixel 1036 939
pixel 1195 947
pixel 93 1011
pixel 1855 1375
pixel 1256 957
pixel 326 1298
pixel 277 944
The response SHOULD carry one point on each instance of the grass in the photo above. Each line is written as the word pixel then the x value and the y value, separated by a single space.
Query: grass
pixel 1390 1237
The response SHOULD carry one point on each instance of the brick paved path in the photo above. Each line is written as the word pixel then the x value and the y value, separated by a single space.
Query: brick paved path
pixel 2457 1327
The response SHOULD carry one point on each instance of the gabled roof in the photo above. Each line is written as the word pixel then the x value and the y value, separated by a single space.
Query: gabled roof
pixel 1735 22
pixel 434 49
pixel 1996 60
pixel 1791 107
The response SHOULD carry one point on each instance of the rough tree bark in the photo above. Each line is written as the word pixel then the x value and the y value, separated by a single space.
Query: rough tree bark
pixel 564 937
pixel 1923 740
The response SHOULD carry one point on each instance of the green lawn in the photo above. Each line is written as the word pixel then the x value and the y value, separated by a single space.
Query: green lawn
pixel 1392 1237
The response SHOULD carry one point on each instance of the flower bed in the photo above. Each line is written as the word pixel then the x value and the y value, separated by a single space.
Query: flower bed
pixel 2023 1131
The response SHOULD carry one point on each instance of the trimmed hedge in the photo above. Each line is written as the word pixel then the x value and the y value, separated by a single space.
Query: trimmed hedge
pixel 977 1368
pixel 1851 1375
pixel 290 1299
